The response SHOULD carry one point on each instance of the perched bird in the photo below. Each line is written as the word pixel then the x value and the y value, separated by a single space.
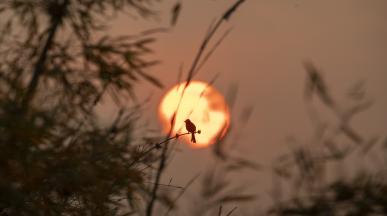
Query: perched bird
pixel 191 128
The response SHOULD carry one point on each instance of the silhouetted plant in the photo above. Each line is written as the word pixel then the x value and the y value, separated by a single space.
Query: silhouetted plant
pixel 303 179
pixel 56 64
pixel 201 57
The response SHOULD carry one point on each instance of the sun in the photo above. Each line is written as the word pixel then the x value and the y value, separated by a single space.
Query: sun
pixel 202 104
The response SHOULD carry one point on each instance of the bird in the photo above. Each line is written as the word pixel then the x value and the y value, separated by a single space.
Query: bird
pixel 191 128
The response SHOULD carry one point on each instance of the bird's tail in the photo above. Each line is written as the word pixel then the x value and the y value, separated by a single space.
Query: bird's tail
pixel 193 139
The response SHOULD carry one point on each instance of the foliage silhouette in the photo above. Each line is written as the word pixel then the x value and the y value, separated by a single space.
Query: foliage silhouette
pixel 304 172
pixel 57 64
pixel 56 158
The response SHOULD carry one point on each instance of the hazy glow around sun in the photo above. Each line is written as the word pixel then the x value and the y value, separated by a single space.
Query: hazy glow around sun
pixel 203 105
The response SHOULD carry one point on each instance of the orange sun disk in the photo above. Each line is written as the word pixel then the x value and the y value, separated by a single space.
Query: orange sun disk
pixel 200 103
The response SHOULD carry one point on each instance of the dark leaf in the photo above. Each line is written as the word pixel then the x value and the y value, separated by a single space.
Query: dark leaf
pixel 232 10
pixel 175 13
pixel 237 198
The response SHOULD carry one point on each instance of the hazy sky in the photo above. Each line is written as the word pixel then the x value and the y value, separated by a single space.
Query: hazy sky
pixel 263 55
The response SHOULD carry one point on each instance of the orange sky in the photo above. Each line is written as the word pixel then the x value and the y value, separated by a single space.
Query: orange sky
pixel 263 55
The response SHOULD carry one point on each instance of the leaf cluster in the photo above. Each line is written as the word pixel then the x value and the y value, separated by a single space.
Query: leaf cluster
pixel 303 184
pixel 56 64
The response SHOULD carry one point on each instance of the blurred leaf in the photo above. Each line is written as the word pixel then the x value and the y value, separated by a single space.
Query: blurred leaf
pixel 232 10
pixel 175 13
pixel 152 80
pixel 237 198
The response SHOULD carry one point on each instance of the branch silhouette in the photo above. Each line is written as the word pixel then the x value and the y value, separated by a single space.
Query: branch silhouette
pixel 161 166
pixel 159 145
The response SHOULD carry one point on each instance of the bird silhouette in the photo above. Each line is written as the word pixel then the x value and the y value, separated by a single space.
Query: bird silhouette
pixel 191 128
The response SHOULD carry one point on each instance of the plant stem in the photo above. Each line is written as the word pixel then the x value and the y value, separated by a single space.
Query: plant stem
pixel 160 169
pixel 40 64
